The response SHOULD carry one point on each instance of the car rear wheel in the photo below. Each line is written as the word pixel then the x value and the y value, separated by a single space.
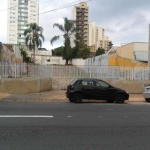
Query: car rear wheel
pixel 120 98
pixel 110 101
pixel 147 99
pixel 77 98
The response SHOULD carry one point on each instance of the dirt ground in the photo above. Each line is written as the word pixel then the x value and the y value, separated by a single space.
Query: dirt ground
pixel 48 96
pixel 53 96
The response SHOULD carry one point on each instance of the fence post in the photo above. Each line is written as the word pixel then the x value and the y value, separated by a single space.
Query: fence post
pixel 90 72
pixel 15 70
pixel 52 69
pixel 27 69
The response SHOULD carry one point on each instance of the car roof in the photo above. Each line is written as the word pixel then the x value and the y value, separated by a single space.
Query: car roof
pixel 87 79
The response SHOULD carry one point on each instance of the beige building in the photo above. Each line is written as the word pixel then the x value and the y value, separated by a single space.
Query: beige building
pixel 104 43
pixel 80 14
pixel 129 55
pixel 97 37
pixel 135 51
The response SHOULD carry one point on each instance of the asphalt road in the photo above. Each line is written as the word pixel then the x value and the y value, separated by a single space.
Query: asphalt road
pixel 69 126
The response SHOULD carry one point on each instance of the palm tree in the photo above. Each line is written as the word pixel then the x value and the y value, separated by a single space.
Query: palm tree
pixel 68 30
pixel 24 55
pixel 33 37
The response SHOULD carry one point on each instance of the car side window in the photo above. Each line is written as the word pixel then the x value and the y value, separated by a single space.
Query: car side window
pixel 90 83
pixel 84 82
pixel 87 83
pixel 101 83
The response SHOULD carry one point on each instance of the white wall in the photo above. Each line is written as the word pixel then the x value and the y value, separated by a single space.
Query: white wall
pixel 79 62
pixel 98 60
pixel 101 60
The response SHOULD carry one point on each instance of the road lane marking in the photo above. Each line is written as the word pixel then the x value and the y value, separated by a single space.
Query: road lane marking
pixel 24 116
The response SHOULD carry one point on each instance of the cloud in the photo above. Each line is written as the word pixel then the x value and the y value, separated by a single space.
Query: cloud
pixel 124 21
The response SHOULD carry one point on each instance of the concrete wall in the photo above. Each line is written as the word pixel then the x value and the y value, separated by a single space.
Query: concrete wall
pixel 25 85
pixel 133 87
pixel 41 85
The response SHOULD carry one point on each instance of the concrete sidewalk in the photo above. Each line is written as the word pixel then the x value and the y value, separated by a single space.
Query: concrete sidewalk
pixel 53 96
pixel 136 98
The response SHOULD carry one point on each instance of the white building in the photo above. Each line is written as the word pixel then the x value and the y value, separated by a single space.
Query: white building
pixel 97 37
pixel 21 13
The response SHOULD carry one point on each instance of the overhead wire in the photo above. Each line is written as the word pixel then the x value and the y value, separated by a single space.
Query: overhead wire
pixel 62 7
pixel 15 6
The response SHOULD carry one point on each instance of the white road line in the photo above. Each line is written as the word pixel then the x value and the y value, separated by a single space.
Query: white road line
pixel 24 116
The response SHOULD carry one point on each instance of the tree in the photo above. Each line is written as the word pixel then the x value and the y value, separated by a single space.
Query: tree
pixel 33 37
pixel 68 29
pixel 100 51
pixel 80 50
pixel 58 51
pixel 25 55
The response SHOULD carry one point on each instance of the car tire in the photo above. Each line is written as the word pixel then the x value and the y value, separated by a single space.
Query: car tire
pixel 110 101
pixel 120 98
pixel 147 99
pixel 77 98
pixel 70 99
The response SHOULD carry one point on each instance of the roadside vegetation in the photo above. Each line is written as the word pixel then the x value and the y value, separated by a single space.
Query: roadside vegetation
pixel 70 33
pixel 24 55
pixel 33 37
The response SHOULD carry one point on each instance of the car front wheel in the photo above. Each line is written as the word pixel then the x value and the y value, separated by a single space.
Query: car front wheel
pixel 147 99
pixel 70 99
pixel 120 98
pixel 77 98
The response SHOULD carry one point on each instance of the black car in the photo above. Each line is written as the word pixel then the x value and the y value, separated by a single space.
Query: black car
pixel 94 89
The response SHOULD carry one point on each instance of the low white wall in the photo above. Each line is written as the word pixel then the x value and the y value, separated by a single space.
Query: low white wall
pixel 79 62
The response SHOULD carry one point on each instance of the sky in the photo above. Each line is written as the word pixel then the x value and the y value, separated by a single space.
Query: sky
pixel 124 21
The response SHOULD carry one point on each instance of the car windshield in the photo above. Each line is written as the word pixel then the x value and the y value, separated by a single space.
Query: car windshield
pixel 73 81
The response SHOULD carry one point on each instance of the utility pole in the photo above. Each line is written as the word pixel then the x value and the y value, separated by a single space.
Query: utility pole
pixel 149 54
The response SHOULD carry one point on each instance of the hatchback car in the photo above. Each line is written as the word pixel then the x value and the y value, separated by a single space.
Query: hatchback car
pixel 94 89
pixel 146 92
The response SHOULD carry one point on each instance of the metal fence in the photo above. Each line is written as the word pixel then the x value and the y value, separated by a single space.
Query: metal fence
pixel 9 70
pixel 12 70
pixel 101 72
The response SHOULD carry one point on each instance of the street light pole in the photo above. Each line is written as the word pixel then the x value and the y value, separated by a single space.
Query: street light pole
pixel 149 54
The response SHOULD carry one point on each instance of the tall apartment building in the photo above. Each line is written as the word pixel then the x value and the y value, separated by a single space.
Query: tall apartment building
pixel 97 37
pixel 21 13
pixel 80 14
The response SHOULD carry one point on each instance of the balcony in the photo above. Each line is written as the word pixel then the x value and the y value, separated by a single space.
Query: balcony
pixel 79 14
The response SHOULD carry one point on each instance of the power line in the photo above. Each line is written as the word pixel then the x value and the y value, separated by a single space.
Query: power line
pixel 62 7
pixel 23 3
